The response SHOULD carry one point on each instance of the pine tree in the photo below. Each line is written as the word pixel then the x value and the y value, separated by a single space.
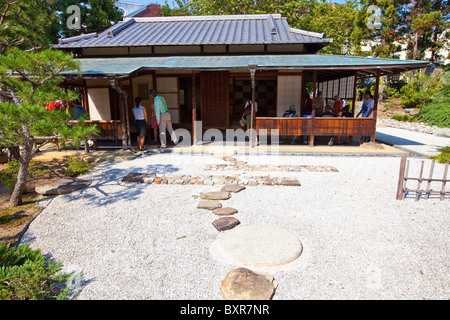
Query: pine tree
pixel 28 81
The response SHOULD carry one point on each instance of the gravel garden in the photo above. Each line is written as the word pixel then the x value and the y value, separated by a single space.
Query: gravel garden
pixel 325 227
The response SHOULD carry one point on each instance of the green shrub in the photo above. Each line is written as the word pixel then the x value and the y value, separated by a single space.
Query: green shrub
pixel 437 113
pixel 76 166
pixel 420 91
pixel 443 156
pixel 404 117
pixel 25 274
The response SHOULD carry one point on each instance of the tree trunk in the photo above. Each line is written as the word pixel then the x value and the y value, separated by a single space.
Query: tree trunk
pixel 14 153
pixel 86 146
pixel 16 196
pixel 416 46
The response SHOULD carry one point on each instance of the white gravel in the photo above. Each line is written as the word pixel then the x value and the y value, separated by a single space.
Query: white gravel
pixel 151 242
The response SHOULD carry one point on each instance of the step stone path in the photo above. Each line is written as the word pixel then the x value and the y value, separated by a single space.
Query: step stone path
pixel 210 180
pixel 245 244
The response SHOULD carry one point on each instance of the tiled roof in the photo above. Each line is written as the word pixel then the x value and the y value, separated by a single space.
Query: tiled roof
pixel 197 30
pixel 127 65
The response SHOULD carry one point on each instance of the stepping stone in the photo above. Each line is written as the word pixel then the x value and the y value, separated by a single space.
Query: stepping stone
pixel 133 178
pixel 232 188
pixel 245 284
pixel 209 205
pixel 291 183
pixel 225 211
pixel 217 195
pixel 62 186
pixel 225 223
pixel 260 245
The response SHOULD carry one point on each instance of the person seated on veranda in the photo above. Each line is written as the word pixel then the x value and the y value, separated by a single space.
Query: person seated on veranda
pixel 346 112
pixel 291 113
pixel 328 112
pixel 337 106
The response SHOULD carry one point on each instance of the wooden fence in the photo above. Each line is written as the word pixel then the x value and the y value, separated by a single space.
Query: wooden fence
pixel 403 178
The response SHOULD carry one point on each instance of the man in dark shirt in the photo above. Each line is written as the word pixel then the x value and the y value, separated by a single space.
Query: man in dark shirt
pixel 346 112
pixel 328 112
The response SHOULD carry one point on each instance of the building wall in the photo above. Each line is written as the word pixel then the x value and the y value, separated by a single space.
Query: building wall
pixel 194 49
pixel 288 92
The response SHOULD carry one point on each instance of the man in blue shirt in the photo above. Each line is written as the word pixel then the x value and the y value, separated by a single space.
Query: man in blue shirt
pixel 163 118
pixel 367 111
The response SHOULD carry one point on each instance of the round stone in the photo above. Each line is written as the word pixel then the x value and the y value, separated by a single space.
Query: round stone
pixel 225 211
pixel 260 245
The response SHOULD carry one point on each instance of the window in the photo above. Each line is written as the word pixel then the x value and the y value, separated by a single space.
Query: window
pixel 143 90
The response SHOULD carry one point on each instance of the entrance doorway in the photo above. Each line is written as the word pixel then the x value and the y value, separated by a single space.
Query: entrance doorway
pixel 186 103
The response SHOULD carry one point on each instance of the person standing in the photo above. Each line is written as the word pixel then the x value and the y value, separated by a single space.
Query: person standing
pixel 140 116
pixel 367 111
pixel 163 119
pixel 319 102
pixel 337 106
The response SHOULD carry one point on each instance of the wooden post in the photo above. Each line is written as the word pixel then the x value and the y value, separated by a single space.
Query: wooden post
pixel 401 178
pixel 127 117
pixel 354 93
pixel 375 107
pixel 444 180
pixel 252 135
pixel 419 182
pixel 194 108
pixel 313 111
pixel 429 179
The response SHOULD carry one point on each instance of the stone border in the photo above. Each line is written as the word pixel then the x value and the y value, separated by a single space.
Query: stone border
pixel 242 165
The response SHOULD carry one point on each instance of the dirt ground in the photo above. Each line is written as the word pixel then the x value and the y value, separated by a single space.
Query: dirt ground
pixel 13 220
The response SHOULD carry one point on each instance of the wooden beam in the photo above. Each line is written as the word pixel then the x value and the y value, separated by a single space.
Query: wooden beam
pixel 313 112
pixel 401 178
pixel 354 93
pixel 194 108
pixel 375 107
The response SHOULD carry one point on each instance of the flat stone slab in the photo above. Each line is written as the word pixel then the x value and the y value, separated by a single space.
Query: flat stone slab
pixel 261 245
pixel 291 183
pixel 225 211
pixel 216 195
pixel 232 188
pixel 135 178
pixel 225 223
pixel 62 186
pixel 209 205
pixel 245 284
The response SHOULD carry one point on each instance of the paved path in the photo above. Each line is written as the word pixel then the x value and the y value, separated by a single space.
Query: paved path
pixel 421 143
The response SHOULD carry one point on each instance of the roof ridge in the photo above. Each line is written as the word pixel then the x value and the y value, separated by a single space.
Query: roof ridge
pixel 114 30
pixel 206 17
pixel 77 38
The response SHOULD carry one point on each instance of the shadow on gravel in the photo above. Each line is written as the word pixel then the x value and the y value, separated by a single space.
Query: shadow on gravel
pixel 107 188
